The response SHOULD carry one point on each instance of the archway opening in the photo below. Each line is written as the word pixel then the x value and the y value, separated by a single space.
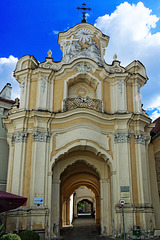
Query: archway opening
pixel 79 183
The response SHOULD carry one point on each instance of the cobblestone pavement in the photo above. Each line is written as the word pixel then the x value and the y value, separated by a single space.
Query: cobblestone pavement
pixel 84 228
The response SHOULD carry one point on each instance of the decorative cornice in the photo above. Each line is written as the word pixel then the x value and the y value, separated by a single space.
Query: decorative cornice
pixel 140 139
pixel 122 137
pixel 19 137
pixel 41 136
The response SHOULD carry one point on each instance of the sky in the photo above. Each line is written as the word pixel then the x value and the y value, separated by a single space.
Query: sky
pixel 32 27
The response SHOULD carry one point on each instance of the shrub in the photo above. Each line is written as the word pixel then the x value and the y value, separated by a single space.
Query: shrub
pixel 10 236
pixel 29 235
pixel 1 229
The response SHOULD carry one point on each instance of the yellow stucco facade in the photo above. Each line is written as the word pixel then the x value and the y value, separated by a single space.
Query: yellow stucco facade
pixel 80 123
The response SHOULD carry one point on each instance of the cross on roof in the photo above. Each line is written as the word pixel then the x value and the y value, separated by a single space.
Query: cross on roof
pixel 84 8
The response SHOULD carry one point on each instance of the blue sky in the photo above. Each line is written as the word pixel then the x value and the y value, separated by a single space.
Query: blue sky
pixel 31 27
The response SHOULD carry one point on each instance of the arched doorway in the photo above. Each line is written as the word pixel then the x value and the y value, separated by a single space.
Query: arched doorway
pixel 75 169
pixel 84 202
pixel 74 176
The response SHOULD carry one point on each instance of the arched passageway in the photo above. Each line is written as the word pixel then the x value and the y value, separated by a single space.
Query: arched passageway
pixel 80 168
pixel 74 176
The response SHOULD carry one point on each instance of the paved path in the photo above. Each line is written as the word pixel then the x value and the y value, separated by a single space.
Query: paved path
pixel 84 228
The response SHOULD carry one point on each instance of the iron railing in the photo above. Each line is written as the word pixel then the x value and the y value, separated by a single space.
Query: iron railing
pixel 82 102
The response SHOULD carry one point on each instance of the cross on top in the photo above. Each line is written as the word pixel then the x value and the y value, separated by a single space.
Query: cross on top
pixel 84 8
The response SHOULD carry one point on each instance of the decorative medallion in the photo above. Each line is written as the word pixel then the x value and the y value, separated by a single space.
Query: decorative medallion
pixel 84 35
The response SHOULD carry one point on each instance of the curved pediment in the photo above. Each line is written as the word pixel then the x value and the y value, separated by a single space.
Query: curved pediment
pixel 83 41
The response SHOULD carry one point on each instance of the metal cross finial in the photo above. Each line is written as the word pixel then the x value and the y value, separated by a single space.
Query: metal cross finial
pixel 84 8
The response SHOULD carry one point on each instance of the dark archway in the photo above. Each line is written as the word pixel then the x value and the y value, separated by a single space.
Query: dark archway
pixel 74 176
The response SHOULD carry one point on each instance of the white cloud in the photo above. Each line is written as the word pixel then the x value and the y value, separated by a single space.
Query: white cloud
pixel 130 29
pixel 155 115
pixel 9 60
pixel 7 66
pixel 55 32
pixel 155 103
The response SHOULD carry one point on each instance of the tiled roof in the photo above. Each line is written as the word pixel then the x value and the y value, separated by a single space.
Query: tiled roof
pixel 156 130
pixel 7 100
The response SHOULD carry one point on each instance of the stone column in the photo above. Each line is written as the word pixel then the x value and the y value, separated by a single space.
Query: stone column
pixel 39 165
pixel 105 206
pixel 68 210
pixel 143 182
pixel 75 205
pixel 97 217
pixel 10 164
pixel 123 177
pixel 55 210
pixel 64 212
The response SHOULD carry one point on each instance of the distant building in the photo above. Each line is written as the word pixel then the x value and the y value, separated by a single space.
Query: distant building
pixel 5 105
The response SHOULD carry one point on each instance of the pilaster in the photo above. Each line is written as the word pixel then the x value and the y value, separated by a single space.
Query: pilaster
pixel 39 175
pixel 19 140
pixel 105 207
pixel 143 178
pixel 55 210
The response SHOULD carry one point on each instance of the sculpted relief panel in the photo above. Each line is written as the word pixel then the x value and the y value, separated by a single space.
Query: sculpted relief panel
pixel 81 45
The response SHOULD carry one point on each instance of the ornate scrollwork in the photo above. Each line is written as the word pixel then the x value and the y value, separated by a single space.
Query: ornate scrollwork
pixel 19 137
pixel 122 137
pixel 41 136
pixel 140 139
pixel 43 83
pixel 84 68
pixel 23 84
pixel 82 102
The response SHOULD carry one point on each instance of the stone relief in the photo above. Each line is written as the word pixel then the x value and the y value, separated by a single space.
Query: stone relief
pixel 81 45
pixel 140 139
pixel 84 35
pixel 41 136
pixel 120 86
pixel 83 68
pixel 122 137
pixel 43 83
pixel 23 84
pixel 19 137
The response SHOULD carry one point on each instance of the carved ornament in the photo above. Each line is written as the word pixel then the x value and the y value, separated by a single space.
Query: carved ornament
pixel 83 68
pixel 19 137
pixel 82 45
pixel 23 84
pixel 43 83
pixel 122 137
pixel 140 139
pixel 41 136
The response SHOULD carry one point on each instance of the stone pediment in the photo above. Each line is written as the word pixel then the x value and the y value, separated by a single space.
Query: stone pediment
pixel 83 41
